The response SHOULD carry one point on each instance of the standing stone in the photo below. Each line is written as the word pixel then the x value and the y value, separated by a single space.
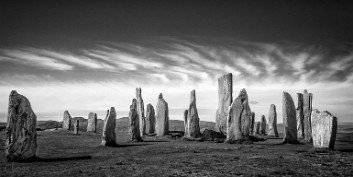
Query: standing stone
pixel 76 125
pixel 263 125
pixel 272 121
pixel 92 122
pixel 67 120
pixel 162 117
pixel 257 128
pixel 108 134
pixel 21 134
pixel 193 121
pixel 150 119
pixel 134 127
pixel 141 112
pixel 252 125
pixel 324 129
pixel 289 120
pixel 225 98
pixel 307 108
pixel 186 121
pixel 239 118
pixel 300 116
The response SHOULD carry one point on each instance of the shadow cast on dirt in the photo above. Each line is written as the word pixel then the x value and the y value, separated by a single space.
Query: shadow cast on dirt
pixel 39 159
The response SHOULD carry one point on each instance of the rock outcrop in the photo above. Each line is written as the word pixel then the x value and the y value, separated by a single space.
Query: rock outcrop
pixel 300 117
pixel 324 129
pixel 150 119
pixel 225 98
pixel 162 117
pixel 134 126
pixel 272 121
pixel 92 122
pixel 141 112
pixel 108 134
pixel 263 125
pixel 76 126
pixel 193 121
pixel 307 109
pixel 67 120
pixel 210 135
pixel 239 119
pixel 21 134
pixel 289 120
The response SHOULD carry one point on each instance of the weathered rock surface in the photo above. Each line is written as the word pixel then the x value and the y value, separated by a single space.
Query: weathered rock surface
pixel 150 119
pixel 300 116
pixel 225 98
pixel 134 127
pixel 263 125
pixel 67 120
pixel 92 122
pixel 186 122
pixel 141 112
pixel 76 126
pixel 162 117
pixel 272 121
pixel 21 134
pixel 108 134
pixel 210 135
pixel 289 120
pixel 193 121
pixel 257 128
pixel 324 129
pixel 239 118
pixel 252 125
pixel 307 109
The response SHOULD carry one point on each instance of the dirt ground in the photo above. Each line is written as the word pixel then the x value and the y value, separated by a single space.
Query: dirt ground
pixel 66 154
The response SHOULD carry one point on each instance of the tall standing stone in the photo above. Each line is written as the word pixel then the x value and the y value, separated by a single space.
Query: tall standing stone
pixel 92 122
pixel 263 125
pixel 134 127
pixel 324 129
pixel 21 134
pixel 150 119
pixel 225 98
pixel 307 108
pixel 141 111
pixel 162 117
pixel 76 126
pixel 186 121
pixel 193 121
pixel 257 128
pixel 67 120
pixel 300 116
pixel 252 125
pixel 108 134
pixel 289 120
pixel 272 121
pixel 239 118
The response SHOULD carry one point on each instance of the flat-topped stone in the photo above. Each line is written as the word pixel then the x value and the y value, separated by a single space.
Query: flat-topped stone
pixel 324 129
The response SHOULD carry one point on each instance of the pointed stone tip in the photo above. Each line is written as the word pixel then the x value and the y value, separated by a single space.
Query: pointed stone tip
pixel 13 92
pixel 160 96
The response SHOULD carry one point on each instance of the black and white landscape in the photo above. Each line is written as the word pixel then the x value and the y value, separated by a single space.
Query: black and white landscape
pixel 176 88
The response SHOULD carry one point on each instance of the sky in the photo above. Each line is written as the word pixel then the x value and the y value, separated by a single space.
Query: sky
pixel 88 56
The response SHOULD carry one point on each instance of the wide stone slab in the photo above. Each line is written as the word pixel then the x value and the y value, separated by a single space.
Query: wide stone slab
pixel 324 129
pixel 108 134
pixel 92 122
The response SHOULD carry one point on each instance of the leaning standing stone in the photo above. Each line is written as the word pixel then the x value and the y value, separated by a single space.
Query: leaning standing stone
pixel 289 120
pixel 141 112
pixel 92 122
pixel 76 125
pixel 225 91
pixel 272 121
pixel 263 125
pixel 307 108
pixel 162 117
pixel 324 129
pixel 193 121
pixel 150 119
pixel 300 116
pixel 108 135
pixel 134 127
pixel 21 134
pixel 67 120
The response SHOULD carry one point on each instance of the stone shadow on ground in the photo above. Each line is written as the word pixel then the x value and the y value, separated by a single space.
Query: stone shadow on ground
pixel 39 159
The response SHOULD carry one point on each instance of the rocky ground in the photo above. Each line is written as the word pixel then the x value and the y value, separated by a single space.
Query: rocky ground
pixel 66 154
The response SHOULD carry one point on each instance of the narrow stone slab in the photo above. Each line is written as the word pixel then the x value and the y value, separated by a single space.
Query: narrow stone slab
pixel 186 129
pixel 21 134
pixel 324 129
pixel 92 122
pixel 150 119
pixel 257 128
pixel 193 121
pixel 141 112
pixel 108 134
pixel 252 125
pixel 307 109
pixel 272 121
pixel 289 120
pixel 67 120
pixel 225 98
pixel 76 126
pixel 300 116
pixel 162 117
pixel 134 127
pixel 263 125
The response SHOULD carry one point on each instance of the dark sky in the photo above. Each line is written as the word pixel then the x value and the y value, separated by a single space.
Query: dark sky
pixel 72 24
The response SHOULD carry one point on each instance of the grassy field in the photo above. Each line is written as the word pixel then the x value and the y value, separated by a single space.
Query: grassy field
pixel 64 154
